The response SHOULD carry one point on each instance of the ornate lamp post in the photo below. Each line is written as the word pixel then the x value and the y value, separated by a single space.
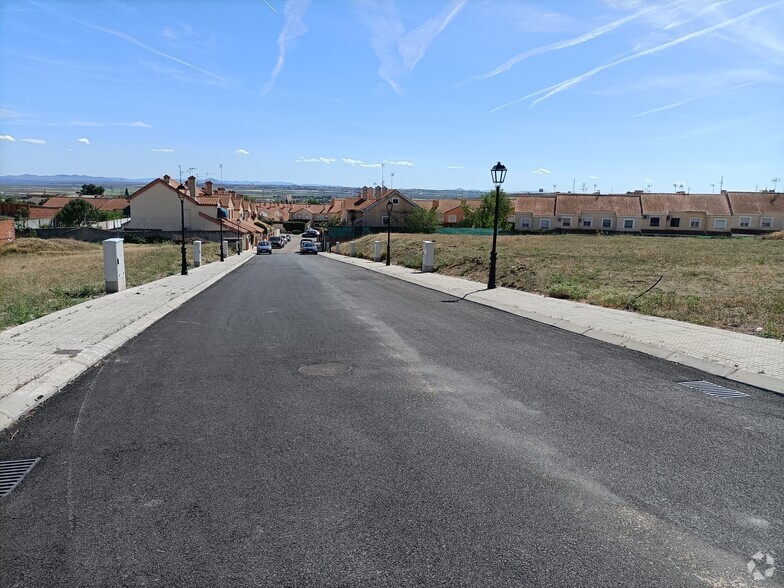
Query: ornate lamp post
pixel 389 228
pixel 181 193
pixel 221 216
pixel 498 172
pixel 238 236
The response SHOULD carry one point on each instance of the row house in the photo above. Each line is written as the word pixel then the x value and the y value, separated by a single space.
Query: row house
pixel 592 212
pixel 685 213
pixel 756 211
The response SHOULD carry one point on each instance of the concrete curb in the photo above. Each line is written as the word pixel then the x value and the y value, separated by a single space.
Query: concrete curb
pixel 478 293
pixel 30 395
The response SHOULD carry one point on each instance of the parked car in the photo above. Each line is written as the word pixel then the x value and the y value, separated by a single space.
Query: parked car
pixel 277 242
pixel 306 247
pixel 311 233
pixel 264 247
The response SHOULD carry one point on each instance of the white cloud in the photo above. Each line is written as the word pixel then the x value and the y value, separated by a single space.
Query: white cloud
pixel 403 163
pixel 315 160
pixel 687 100
pixel 7 113
pixel 454 167
pixel 164 150
pixel 242 152
pixel 83 123
pixel 398 52
pixel 6 138
pixel 83 141
pixel 594 177
pixel 34 141
pixel 541 171
pixel 360 163
pixel 293 27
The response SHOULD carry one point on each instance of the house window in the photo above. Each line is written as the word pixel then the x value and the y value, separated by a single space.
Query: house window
pixel 525 223
pixel 606 223
pixel 385 220
pixel 694 223
pixel 566 221
pixel 544 223
pixel 396 201
pixel 720 224
pixel 654 222
pixel 452 218
pixel 766 223
pixel 586 223
pixel 675 222
pixel 745 221
pixel 628 223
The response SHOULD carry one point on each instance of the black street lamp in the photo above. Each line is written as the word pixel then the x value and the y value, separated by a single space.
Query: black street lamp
pixel 389 227
pixel 181 194
pixel 238 235
pixel 221 214
pixel 498 172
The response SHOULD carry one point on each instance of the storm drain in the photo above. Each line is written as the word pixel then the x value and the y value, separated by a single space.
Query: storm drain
pixel 714 389
pixel 13 472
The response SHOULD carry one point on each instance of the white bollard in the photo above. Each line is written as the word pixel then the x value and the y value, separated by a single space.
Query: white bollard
pixel 428 256
pixel 378 251
pixel 337 247
pixel 196 253
pixel 225 248
pixel 113 265
pixel 352 249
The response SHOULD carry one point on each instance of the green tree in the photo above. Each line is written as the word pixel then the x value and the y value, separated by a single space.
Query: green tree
pixel 77 213
pixel 422 220
pixel 335 220
pixel 126 193
pixel 92 190
pixel 20 219
pixel 484 216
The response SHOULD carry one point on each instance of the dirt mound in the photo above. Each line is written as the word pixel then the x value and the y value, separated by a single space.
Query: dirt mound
pixel 58 246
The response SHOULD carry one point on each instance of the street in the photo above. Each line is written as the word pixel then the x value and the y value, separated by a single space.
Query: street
pixel 307 423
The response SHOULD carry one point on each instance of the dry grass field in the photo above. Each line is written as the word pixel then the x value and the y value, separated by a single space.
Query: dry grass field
pixel 40 276
pixel 729 283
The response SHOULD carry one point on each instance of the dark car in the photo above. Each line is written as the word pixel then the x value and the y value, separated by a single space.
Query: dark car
pixel 311 233
pixel 264 247
pixel 277 242
pixel 306 247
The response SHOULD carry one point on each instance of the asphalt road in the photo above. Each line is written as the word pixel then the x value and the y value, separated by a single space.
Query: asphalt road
pixel 429 442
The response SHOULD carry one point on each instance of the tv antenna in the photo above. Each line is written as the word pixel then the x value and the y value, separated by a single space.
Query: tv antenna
pixel 583 187
pixel 775 183
pixel 392 181
pixel 648 187
pixel 713 188
pixel 675 186
pixel 220 165
pixel 555 188
pixel 382 176
pixel 721 184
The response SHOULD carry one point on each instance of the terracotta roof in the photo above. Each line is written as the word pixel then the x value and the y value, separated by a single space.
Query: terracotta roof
pixel 58 201
pixel 756 202
pixel 588 203
pixel 712 204
pixel 534 205
pixel 41 212
pixel 109 203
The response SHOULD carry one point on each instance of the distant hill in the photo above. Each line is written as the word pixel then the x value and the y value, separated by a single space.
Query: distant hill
pixel 29 179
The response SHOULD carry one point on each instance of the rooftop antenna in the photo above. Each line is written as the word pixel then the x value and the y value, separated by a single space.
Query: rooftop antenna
pixel 179 167
pixel 220 165
pixel 675 186
pixel 583 187
pixel 382 176
pixel 713 188
pixel 573 180
pixel 721 184
pixel 648 187
pixel 555 188
pixel 775 183
pixel 392 181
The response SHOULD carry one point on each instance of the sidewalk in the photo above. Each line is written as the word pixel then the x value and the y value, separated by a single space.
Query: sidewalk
pixel 744 358
pixel 39 358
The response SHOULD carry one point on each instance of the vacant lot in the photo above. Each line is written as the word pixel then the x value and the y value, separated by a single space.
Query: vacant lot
pixel 40 276
pixel 729 283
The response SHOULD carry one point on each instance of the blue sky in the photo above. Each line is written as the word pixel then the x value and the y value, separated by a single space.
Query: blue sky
pixel 611 95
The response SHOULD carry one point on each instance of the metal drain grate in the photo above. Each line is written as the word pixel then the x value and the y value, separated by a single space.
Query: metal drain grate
pixel 714 389
pixel 13 472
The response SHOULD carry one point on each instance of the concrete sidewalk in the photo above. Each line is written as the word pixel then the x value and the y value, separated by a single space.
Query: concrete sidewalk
pixel 744 358
pixel 40 357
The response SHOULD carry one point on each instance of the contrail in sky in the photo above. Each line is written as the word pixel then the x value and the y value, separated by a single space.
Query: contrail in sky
pixel 270 6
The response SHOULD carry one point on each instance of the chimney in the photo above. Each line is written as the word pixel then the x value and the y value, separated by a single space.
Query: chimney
pixel 192 186
pixel 166 178
pixel 377 192
pixel 365 193
pixel 208 187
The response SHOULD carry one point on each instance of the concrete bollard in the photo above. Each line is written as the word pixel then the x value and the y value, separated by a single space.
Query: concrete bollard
pixel 196 253
pixel 378 251
pixel 114 265
pixel 428 256
pixel 225 248
pixel 337 247
pixel 352 249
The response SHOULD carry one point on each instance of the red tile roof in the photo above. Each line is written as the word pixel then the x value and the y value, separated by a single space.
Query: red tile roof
pixel 756 202
pixel 711 204
pixel 591 203
pixel 534 205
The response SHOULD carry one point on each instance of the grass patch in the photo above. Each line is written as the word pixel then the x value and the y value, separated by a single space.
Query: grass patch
pixel 733 284
pixel 41 276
